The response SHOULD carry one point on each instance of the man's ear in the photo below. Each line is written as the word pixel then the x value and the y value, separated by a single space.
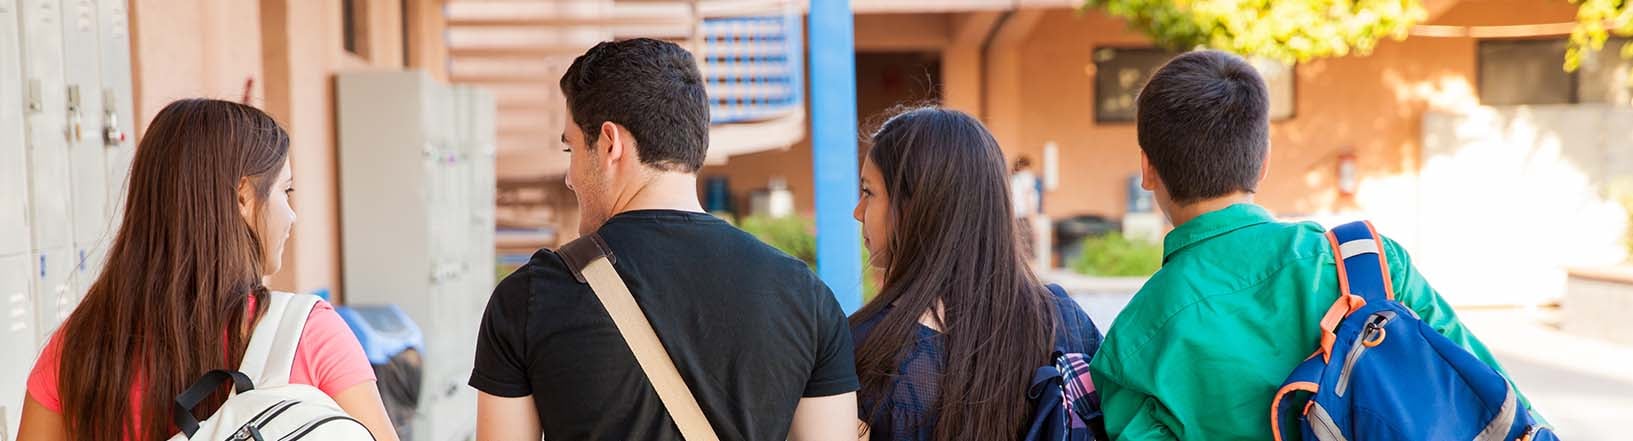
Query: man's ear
pixel 611 134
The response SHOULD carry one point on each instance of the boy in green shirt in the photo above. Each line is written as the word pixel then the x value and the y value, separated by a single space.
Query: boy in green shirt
pixel 1201 349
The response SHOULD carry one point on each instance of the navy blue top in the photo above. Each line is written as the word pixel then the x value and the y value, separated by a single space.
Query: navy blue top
pixel 910 414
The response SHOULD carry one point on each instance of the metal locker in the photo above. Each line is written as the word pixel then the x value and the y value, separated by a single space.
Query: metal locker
pixel 82 58
pixel 118 119
pixel 87 268
pixel 14 229
pixel 54 295
pixel 45 113
pixel 17 338
pixel 482 200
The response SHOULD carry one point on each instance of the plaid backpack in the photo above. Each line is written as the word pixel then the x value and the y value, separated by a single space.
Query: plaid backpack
pixel 1065 406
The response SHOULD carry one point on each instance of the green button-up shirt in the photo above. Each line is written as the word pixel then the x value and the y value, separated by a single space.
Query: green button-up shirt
pixel 1199 352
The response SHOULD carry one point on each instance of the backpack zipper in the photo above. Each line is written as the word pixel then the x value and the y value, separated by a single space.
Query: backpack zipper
pixel 1374 325
pixel 309 427
pixel 269 418
pixel 258 417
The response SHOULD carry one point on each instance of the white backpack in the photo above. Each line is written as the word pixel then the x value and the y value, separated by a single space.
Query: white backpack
pixel 264 406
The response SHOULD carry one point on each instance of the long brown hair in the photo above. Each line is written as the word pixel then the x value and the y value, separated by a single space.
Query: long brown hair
pixel 955 245
pixel 174 295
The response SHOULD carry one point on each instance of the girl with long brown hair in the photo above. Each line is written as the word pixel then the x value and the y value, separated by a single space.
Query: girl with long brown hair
pixel 205 221
pixel 948 347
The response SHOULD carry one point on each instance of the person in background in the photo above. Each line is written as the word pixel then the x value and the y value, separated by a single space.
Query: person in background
pixel 1026 190
pixel 948 348
pixel 205 221
pixel 1202 348
pixel 758 339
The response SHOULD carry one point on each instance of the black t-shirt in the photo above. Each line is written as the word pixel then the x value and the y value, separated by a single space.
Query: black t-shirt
pixel 751 330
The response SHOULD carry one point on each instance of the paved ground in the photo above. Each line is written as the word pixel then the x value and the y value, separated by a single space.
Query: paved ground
pixel 1583 386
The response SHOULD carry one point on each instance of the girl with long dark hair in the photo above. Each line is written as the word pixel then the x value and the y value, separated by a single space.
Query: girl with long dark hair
pixel 205 221
pixel 948 347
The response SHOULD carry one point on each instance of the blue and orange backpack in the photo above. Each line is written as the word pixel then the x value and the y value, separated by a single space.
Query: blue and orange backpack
pixel 1382 374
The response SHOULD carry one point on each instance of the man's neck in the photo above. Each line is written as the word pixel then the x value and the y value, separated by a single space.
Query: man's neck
pixel 664 191
pixel 1181 214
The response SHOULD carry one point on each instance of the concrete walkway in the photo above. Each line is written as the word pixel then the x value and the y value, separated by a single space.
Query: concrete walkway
pixel 1583 386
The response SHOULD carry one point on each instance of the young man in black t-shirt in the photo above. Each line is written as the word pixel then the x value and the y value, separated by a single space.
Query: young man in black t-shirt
pixel 758 339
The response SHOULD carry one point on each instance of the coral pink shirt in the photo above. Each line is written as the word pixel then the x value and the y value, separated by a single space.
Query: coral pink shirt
pixel 328 358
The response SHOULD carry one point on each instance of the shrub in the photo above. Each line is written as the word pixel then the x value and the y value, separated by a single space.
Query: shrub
pixel 1621 191
pixel 796 236
pixel 1113 255
pixel 792 235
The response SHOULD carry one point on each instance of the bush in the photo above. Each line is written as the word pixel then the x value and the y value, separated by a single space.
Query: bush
pixel 1113 255
pixel 1621 191
pixel 792 235
pixel 797 237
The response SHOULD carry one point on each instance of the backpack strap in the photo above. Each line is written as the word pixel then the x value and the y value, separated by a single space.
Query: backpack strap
pixel 1365 271
pixel 1363 276
pixel 271 352
pixel 591 262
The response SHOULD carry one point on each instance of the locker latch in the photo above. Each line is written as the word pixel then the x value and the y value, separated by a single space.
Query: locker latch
pixel 76 124
pixel 111 135
pixel 36 96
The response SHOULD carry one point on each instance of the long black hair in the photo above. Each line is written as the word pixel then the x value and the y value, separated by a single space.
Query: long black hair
pixel 955 246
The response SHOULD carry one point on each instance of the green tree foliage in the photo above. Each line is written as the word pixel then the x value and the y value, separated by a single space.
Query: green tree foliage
pixel 1285 30
pixel 1621 191
pixel 1596 20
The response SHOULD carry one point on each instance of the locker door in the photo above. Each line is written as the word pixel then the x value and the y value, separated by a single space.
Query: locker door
pixel 118 105
pixel 14 230
pixel 16 336
pixel 53 291
pixel 45 113
pixel 88 266
pixel 82 55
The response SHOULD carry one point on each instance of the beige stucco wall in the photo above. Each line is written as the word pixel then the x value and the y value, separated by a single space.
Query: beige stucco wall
pixel 193 48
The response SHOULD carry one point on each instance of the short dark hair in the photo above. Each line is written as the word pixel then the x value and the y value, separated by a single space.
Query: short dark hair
pixel 653 89
pixel 1204 122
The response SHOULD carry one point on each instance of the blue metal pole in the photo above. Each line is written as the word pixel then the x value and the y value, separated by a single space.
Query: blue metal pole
pixel 834 151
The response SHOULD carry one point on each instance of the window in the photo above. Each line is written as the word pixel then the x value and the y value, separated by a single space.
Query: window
pixel 1120 73
pixel 1606 76
pixel 1517 72
pixel 408 27
pixel 354 26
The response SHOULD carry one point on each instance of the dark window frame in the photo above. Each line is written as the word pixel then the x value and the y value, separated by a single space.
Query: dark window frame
pixel 1100 118
pixel 354 27
pixel 1574 79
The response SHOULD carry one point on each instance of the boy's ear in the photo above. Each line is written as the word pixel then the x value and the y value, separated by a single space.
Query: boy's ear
pixel 1264 169
pixel 1148 174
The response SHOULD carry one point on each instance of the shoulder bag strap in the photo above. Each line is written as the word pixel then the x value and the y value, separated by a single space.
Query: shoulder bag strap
pixel 592 262
pixel 271 352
